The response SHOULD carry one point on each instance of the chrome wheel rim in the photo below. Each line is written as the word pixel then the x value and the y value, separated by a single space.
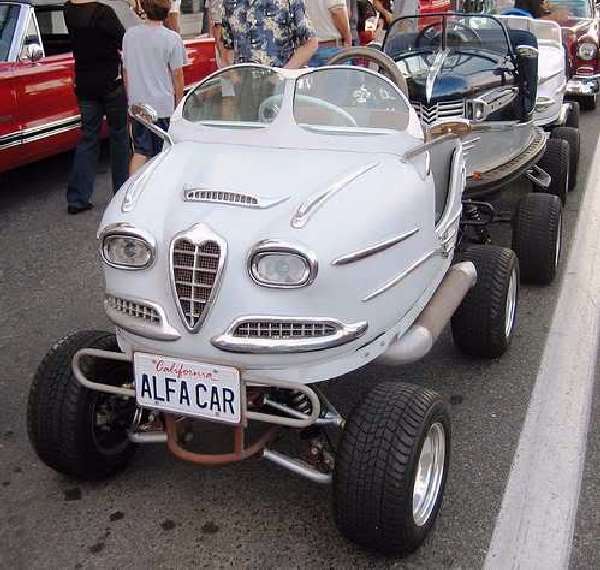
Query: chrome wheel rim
pixel 558 246
pixel 430 474
pixel 511 303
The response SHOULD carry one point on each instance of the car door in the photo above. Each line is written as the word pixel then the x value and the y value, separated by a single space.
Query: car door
pixel 48 110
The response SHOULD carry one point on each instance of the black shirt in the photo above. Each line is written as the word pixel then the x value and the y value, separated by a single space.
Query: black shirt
pixel 96 36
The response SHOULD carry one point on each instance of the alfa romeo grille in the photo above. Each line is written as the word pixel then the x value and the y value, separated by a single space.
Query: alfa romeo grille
pixel 195 269
pixel 133 309
pixel 220 197
pixel 284 330
pixel 429 114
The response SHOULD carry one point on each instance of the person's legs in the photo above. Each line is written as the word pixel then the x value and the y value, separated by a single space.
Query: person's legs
pixel 115 106
pixel 142 146
pixel 83 172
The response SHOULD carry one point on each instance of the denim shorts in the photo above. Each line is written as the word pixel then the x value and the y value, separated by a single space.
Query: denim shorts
pixel 145 142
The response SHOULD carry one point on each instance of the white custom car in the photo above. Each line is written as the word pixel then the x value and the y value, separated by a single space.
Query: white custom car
pixel 289 232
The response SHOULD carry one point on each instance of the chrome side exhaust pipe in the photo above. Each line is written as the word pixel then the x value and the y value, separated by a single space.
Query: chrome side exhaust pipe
pixel 418 340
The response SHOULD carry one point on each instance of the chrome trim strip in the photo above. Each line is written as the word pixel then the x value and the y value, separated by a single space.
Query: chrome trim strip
pixel 230 343
pixel 198 234
pixel 433 72
pixel 307 209
pixel 41 132
pixel 136 183
pixel 240 199
pixel 401 276
pixel 265 247
pixel 373 249
pixel 126 229
pixel 158 331
pixel 424 147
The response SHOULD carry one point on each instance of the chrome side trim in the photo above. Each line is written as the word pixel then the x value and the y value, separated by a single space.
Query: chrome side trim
pixel 126 229
pixel 136 184
pixel 393 282
pixel 373 249
pixel 41 132
pixel 230 343
pixel 228 197
pixel 265 247
pixel 198 234
pixel 433 72
pixel 424 147
pixel 157 331
pixel 307 209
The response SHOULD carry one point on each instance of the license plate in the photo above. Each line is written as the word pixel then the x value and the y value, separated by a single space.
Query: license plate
pixel 186 387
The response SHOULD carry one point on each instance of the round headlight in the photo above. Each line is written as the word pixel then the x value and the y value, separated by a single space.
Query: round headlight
pixel 274 264
pixel 126 252
pixel 587 51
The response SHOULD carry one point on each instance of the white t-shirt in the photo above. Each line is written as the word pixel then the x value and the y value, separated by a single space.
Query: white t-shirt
pixel 319 13
pixel 150 53
pixel 175 7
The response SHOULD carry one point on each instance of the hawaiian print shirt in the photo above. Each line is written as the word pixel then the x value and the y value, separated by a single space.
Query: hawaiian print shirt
pixel 265 31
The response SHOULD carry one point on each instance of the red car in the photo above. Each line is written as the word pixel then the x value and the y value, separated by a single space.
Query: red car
pixel 579 20
pixel 39 115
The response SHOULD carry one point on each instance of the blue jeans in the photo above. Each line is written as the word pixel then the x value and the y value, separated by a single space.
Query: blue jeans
pixel 81 181
pixel 145 142
pixel 322 56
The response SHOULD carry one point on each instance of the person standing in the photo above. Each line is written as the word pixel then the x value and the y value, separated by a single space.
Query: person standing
pixel 276 33
pixel 330 20
pixel 173 19
pixel 400 9
pixel 96 35
pixel 215 14
pixel 153 60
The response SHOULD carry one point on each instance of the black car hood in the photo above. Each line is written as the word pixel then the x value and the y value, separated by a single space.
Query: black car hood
pixel 447 75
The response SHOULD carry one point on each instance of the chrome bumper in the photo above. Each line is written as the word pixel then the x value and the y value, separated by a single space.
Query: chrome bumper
pixel 584 85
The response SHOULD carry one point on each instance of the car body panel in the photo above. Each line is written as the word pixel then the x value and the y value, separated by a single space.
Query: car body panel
pixel 370 193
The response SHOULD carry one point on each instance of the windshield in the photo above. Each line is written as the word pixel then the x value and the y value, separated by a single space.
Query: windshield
pixel 348 97
pixel 562 11
pixel 456 33
pixel 9 13
pixel 239 95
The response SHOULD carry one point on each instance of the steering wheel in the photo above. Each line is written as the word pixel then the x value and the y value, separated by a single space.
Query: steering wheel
pixel 385 64
pixel 270 107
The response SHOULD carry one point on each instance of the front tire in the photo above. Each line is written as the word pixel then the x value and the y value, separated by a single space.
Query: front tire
pixel 571 135
pixel 79 432
pixel 537 237
pixel 589 103
pixel 557 164
pixel 391 468
pixel 484 323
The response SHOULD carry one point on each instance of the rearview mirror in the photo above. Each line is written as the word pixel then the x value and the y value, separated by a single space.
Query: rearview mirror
pixel 147 116
pixel 34 52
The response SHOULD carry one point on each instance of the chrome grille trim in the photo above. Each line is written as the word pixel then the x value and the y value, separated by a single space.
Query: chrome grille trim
pixel 429 114
pixel 139 316
pixel 197 257
pixel 273 335
pixel 227 197
pixel 285 330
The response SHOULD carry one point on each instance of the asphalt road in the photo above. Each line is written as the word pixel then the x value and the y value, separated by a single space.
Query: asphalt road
pixel 164 513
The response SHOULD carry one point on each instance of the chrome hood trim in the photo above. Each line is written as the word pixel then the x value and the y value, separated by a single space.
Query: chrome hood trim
pixel 212 195
pixel 434 70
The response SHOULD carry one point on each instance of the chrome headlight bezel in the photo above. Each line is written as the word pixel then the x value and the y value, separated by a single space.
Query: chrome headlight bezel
pixel 587 51
pixel 279 248
pixel 127 231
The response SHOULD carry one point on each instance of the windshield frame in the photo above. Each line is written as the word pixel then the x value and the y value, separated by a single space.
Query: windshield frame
pixel 443 46
pixel 286 113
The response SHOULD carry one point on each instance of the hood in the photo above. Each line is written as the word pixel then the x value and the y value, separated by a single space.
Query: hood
pixel 448 76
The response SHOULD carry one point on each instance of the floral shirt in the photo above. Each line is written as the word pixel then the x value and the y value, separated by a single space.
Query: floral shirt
pixel 265 31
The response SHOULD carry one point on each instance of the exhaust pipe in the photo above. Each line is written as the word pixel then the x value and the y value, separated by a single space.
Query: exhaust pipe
pixel 418 340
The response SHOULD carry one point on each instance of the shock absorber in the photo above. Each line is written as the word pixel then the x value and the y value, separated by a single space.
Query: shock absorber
pixel 301 403
pixel 472 217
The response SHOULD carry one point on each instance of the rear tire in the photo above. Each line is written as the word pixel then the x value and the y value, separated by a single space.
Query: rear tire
pixel 79 432
pixel 484 323
pixel 571 135
pixel 382 498
pixel 556 163
pixel 537 237
pixel 589 103
pixel 573 115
